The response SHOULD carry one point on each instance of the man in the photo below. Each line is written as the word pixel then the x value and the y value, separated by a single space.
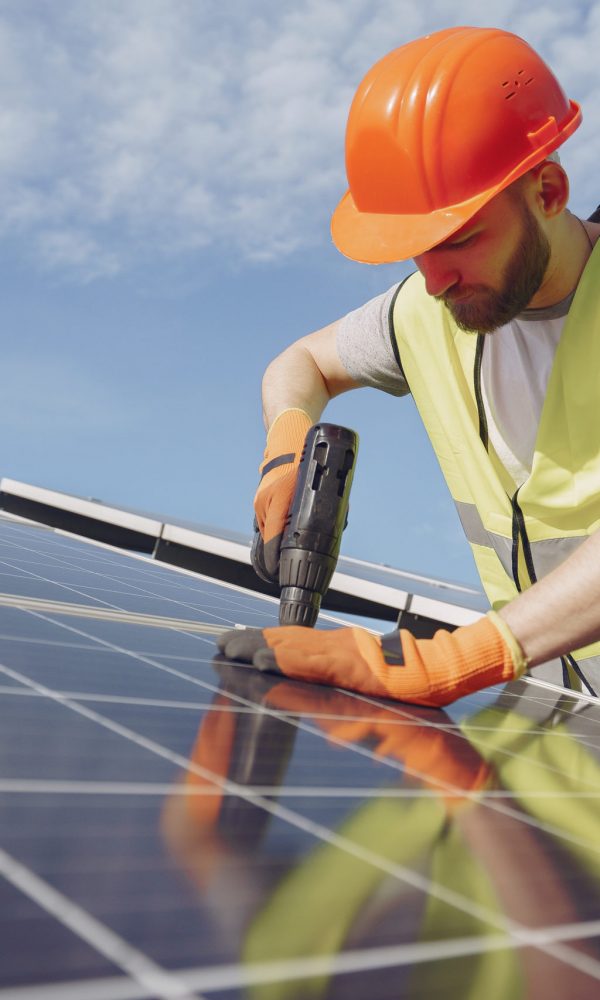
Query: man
pixel 451 160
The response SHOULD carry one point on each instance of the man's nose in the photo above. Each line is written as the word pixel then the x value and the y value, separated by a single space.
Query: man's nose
pixel 440 275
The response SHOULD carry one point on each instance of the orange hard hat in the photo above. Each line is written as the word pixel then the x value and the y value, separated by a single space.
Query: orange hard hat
pixel 436 129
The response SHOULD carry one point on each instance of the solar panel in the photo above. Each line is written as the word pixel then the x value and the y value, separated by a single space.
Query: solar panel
pixel 357 587
pixel 172 825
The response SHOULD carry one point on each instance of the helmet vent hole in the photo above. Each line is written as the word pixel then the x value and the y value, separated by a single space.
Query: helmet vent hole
pixel 515 84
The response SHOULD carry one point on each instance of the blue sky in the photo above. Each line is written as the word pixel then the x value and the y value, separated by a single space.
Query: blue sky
pixel 168 170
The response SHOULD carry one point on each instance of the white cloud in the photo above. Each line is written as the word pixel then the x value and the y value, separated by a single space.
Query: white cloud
pixel 76 250
pixel 137 127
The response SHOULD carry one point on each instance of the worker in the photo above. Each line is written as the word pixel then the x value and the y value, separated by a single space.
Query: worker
pixel 451 154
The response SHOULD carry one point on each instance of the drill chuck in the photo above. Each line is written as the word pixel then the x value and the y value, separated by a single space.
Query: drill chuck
pixel 313 532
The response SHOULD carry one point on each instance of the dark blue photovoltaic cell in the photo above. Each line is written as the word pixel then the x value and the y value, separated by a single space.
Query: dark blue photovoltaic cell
pixel 34 945
pixel 41 739
pixel 227 834
pixel 106 670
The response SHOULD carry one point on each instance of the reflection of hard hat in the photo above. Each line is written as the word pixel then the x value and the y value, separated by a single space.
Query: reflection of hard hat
pixel 436 129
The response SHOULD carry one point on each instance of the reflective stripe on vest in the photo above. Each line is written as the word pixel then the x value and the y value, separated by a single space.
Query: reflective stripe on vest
pixel 547 553
pixel 515 539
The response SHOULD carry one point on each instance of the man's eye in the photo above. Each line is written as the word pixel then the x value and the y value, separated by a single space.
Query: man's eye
pixel 464 242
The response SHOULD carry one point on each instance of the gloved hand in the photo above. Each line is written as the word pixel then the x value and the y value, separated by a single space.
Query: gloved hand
pixel 422 671
pixel 275 492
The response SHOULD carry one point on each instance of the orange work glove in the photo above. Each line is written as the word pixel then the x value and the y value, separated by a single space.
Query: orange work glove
pixel 422 671
pixel 279 472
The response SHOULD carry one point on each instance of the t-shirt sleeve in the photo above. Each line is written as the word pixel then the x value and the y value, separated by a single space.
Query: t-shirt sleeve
pixel 364 345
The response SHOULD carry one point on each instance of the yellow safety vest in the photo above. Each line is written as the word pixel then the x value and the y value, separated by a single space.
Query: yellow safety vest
pixel 517 536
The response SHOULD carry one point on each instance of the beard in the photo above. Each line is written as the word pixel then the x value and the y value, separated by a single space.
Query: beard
pixel 487 309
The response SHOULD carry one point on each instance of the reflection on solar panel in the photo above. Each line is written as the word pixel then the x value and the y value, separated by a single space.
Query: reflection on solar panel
pixel 174 827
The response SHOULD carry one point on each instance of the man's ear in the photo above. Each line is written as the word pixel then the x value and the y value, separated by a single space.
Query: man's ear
pixel 551 188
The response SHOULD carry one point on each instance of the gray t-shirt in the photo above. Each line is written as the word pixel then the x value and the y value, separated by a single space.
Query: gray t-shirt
pixel 364 345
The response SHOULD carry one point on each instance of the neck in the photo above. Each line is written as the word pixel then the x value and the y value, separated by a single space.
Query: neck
pixel 571 245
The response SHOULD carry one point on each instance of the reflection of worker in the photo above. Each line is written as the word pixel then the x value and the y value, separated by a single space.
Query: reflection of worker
pixel 459 845
pixel 451 160
pixel 480 857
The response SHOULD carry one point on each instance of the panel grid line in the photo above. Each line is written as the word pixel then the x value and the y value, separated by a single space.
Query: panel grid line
pixel 73 786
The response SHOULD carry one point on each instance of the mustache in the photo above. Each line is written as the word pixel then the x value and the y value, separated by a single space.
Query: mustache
pixel 463 292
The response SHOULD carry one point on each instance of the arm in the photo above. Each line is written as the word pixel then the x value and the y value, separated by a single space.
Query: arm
pixel 561 612
pixel 306 375
pixel 297 386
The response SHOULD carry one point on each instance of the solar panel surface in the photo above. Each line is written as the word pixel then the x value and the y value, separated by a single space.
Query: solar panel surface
pixel 175 826
pixel 357 587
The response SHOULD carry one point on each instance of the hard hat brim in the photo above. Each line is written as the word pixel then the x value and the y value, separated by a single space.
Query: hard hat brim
pixel 374 238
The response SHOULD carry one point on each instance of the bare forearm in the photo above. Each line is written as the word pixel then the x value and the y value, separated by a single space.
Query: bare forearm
pixel 307 375
pixel 562 611
pixel 293 379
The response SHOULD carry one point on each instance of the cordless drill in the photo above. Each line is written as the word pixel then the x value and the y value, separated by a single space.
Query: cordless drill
pixel 313 529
